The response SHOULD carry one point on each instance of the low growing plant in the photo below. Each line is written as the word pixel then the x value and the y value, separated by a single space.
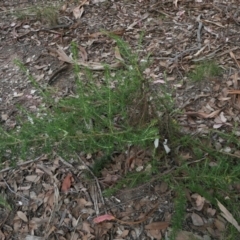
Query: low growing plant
pixel 47 15
pixel 98 116
pixel 110 114
pixel 204 71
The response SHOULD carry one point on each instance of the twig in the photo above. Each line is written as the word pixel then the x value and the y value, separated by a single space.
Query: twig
pixel 200 24
pixel 94 198
pixel 183 53
pixel 24 163
pixel 230 154
pixel 211 55
pixel 65 162
pixel 196 161
pixel 227 51
pixel 207 57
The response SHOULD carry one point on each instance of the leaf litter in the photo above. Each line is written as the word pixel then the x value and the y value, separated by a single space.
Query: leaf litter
pixel 33 188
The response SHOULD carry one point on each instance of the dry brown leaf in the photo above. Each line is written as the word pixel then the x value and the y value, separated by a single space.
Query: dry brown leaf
pixel 156 234
pixel 24 229
pixel 85 2
pixel 63 56
pixel 110 179
pixel 118 54
pixel 163 187
pixel 82 202
pixel 235 80
pixel 219 225
pixel 202 114
pixel 184 235
pixel 75 236
pixel 64 7
pixel 91 65
pixel 233 92
pixel 157 226
pixel 45 169
pixel 217 125
pixel 118 32
pixel 213 114
pixel 175 2
pixel 87 227
pixel 83 53
pixel 211 211
pixel 35 223
pixel 102 218
pixel 51 199
pixel 15 94
pixel 96 35
pixel 212 231
pixel 224 98
pixel 74 222
pixel 222 117
pixel 103 228
pixel 186 156
pixel 22 216
pixel 199 201
pixel 196 219
pixel 98 66
pixel 66 184
pixel 4 117
pixel 17 224
pixel 137 21
pixel 78 11
pixel 52 229
pixel 234 58
pixel 228 216
pixel 124 233
pixel 85 237
pixel 24 188
pixel 129 164
pixel 2 235
pixel 32 178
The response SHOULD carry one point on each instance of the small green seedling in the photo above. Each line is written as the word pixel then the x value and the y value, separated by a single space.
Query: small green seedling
pixel 205 71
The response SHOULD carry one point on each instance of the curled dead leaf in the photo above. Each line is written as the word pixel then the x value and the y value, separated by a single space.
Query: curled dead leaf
pixel 211 211
pixel 154 234
pixel 102 218
pixel 228 216
pixel 32 178
pixel 234 58
pixel 203 115
pixel 91 65
pixel 22 216
pixel 219 225
pixel 233 91
pixel 118 54
pixel 184 235
pixel 199 201
pixel 196 219
pixel 78 11
pixel 157 226
pixel 66 184
pixel 83 53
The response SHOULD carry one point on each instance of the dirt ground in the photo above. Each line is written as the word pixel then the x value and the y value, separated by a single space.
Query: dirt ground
pixel 177 35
